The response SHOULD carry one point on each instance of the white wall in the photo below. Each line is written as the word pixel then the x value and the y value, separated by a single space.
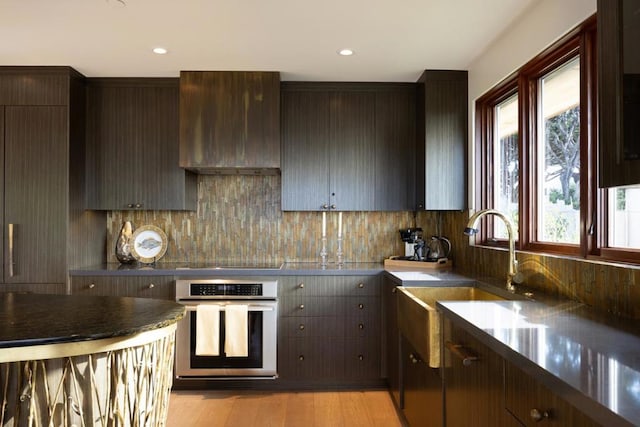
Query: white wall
pixel 543 23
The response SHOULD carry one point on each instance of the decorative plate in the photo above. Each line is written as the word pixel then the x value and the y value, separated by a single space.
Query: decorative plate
pixel 148 244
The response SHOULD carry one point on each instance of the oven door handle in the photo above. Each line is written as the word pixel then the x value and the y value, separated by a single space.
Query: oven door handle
pixel 251 307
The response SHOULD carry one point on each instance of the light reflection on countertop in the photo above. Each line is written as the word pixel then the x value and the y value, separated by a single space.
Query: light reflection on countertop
pixel 595 362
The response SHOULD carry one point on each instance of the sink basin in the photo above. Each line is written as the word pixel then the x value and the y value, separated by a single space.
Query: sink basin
pixel 419 321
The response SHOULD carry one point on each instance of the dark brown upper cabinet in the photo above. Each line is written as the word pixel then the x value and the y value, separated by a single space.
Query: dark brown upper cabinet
pixel 348 146
pixel 442 135
pixel 230 121
pixel 618 92
pixel 132 134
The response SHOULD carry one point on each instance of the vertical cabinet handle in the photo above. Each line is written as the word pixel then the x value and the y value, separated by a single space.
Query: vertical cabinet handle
pixel 11 263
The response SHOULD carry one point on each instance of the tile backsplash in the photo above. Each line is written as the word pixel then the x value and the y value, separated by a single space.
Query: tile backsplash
pixel 239 219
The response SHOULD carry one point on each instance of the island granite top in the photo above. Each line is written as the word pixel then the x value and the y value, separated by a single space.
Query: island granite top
pixel 28 319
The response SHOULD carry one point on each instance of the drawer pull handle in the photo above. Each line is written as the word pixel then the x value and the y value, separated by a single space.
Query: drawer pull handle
pixel 301 327
pixel 151 286
pixel 361 326
pixel 537 415
pixel 360 306
pixel 301 357
pixel 394 290
pixel 413 358
pixel 301 306
pixel 360 357
pixel 301 285
pixel 92 285
pixel 463 353
pixel 360 285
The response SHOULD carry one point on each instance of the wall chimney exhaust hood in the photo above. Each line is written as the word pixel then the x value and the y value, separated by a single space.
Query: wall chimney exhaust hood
pixel 230 122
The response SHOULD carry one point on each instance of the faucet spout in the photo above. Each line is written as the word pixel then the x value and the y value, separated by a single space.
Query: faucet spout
pixel 513 276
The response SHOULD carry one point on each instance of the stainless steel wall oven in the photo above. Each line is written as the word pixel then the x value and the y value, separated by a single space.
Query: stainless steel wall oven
pixel 258 298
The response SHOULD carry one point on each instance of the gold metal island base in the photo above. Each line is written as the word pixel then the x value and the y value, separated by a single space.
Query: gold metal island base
pixel 110 382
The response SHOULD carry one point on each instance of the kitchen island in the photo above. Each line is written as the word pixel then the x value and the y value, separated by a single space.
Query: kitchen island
pixel 85 360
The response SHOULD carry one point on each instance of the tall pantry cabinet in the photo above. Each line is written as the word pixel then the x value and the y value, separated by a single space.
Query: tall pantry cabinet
pixel 45 230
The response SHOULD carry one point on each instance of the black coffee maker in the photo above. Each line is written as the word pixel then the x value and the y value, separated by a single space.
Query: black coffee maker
pixel 414 246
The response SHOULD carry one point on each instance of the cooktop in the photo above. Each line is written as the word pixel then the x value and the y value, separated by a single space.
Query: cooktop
pixel 231 265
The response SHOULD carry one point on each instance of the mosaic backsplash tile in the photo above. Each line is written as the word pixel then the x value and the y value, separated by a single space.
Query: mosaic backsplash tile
pixel 239 219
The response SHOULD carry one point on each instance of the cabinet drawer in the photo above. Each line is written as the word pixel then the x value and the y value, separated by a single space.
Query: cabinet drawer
pixel 315 326
pixel 160 287
pixel 330 286
pixel 311 358
pixel 300 305
pixel 532 404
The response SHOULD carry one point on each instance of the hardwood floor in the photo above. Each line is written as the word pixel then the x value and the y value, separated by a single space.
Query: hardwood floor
pixel 235 408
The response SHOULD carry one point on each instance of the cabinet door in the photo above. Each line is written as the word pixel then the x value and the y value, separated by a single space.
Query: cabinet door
pixel 391 342
pixel 305 151
pixel 618 94
pixel 422 390
pixel 352 163
pixel 473 390
pixel 229 120
pixel 442 140
pixel 132 130
pixel 530 402
pixel 395 150
pixel 35 193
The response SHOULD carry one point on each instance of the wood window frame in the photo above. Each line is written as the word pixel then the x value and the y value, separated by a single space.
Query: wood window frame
pixel 581 41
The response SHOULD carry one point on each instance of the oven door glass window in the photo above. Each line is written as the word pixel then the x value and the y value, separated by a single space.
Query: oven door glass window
pixel 253 360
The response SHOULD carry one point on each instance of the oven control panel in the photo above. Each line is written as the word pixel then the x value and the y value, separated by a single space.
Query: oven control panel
pixel 226 289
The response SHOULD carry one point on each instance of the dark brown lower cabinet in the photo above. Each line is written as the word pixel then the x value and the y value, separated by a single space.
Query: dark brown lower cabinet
pixel 473 381
pixel 392 340
pixel 533 404
pixel 422 389
pixel 329 331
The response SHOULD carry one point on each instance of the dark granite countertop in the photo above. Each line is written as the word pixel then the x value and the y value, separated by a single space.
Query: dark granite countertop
pixel 590 360
pixel 34 319
pixel 229 269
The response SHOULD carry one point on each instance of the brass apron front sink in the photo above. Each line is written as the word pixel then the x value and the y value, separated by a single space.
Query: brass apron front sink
pixel 419 321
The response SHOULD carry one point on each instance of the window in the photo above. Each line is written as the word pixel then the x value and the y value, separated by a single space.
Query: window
pixel 558 156
pixel 505 162
pixel 538 130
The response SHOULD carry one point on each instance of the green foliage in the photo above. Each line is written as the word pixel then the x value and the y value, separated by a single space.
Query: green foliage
pixel 556 228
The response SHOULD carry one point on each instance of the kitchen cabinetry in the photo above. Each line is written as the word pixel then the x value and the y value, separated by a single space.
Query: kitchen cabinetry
pixel 618 93
pixel 530 402
pixel 230 121
pixel 44 229
pixel 392 341
pixel 347 146
pixel 159 287
pixel 329 330
pixel 442 132
pixel 422 389
pixel 473 375
pixel 132 134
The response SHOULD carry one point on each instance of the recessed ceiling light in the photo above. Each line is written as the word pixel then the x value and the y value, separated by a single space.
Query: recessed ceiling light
pixel 159 50
pixel 345 52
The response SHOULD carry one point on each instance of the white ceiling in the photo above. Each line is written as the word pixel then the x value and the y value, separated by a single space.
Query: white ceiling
pixel 393 40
